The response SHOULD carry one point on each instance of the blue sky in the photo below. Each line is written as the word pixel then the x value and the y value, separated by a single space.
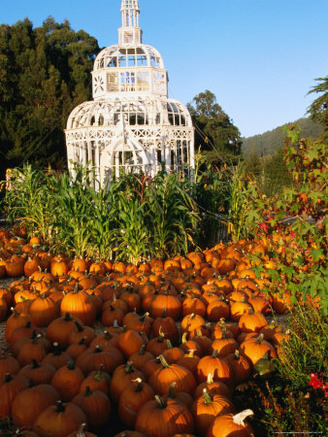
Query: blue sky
pixel 259 57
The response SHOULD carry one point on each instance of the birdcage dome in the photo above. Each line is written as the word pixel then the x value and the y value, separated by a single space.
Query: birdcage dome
pixel 141 111
pixel 117 56
pixel 130 125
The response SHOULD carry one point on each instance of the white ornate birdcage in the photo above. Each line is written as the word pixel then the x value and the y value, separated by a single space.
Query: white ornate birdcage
pixel 130 125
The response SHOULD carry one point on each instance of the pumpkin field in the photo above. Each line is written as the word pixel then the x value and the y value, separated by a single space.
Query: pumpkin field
pixel 118 320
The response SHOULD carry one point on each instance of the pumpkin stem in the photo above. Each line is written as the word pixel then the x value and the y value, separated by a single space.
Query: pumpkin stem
pixel 71 365
pixel 67 317
pixel 239 418
pixel 8 377
pixel 169 344
pixel 82 341
pixel 260 338
pixel 56 349
pixel 107 335
pixel 80 432
pixel 215 353
pixel 191 353
pixel 236 355
pixel 98 374
pixel 35 364
pixel 210 379
pixel 15 313
pixel 184 338
pixel 139 384
pixel 164 313
pixel 79 326
pixel 161 403
pixel 163 361
pixel 142 349
pixel 161 336
pixel 207 397
pixel 129 367
pixel 172 393
pixel 88 391
pixel 60 407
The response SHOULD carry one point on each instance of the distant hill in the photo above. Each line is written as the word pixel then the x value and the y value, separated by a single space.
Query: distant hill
pixel 271 141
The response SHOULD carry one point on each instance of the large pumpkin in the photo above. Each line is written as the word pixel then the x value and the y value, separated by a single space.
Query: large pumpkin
pixel 59 420
pixel 79 304
pixel 166 374
pixel 215 365
pixel 133 397
pixel 29 403
pixel 207 407
pixel 160 418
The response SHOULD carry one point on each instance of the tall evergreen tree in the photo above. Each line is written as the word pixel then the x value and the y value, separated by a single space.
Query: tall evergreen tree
pixel 44 74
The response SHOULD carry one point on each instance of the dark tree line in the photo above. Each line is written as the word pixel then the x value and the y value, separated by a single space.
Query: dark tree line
pixel 44 74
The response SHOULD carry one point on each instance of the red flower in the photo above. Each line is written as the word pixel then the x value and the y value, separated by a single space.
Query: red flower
pixel 264 227
pixel 315 382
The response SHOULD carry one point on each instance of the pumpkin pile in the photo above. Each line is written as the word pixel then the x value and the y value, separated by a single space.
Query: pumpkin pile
pixel 161 345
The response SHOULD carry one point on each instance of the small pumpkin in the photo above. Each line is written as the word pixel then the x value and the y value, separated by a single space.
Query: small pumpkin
pixel 67 380
pixel 96 406
pixel 132 398
pixel 227 425
pixel 122 376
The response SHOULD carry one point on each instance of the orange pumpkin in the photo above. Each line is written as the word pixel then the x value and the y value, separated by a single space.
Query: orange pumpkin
pixel 159 418
pixel 227 425
pixel 59 420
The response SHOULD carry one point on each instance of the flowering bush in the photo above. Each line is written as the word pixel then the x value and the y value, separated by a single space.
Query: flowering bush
pixel 293 227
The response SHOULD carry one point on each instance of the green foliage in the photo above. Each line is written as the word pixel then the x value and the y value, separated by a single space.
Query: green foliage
pixel 275 177
pixel 44 74
pixel 73 212
pixel 28 200
pixel 211 191
pixel 318 109
pixel 294 223
pixel 134 218
pixel 296 397
pixel 216 134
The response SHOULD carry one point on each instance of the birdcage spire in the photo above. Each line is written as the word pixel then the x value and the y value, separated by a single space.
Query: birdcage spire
pixel 130 32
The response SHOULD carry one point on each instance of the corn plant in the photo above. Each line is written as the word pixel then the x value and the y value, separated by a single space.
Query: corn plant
pixel 174 215
pixel 238 202
pixel 131 235
pixel 73 212
pixel 101 226
pixel 29 200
